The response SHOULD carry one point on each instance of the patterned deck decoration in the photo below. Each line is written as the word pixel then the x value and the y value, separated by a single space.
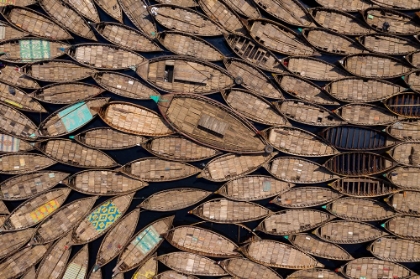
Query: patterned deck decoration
pixel 44 210
pixel 75 116
pixel 104 216
pixel 147 240
pixel 75 271
pixel 32 50
pixel 9 144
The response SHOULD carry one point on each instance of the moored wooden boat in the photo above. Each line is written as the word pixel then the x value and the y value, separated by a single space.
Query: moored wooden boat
pixel 15 123
pixel 74 154
pixel 181 3
pixel 298 170
pixel 137 12
pixel 404 226
pixel 398 5
pixel 406 153
pixel 148 269
pixel 225 211
pixel 78 265
pixel 243 268
pixel 301 197
pixel 244 8
pixel 231 166
pixel 3 209
pixel 314 273
pixel 86 8
pixel 413 58
pixel 187 74
pixel 363 186
pixel 12 242
pixel 13 75
pixel 405 177
pixel 397 22
pixel 19 99
pixel 365 114
pixel 66 92
pixel 405 202
pixel 223 15
pixel 207 121
pixel 388 44
pixel 29 274
pixel 201 241
pixel 405 130
pixel 391 248
pixel 134 119
pixel 8 32
pixel 405 104
pixel 171 274
pixel 346 5
pixel 20 163
pixel 11 144
pixel 112 8
pixel 108 139
pixel 413 80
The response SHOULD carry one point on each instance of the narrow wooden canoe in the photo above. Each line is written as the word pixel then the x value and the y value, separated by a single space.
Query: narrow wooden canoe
pixel 23 163
pixel 174 199
pixel 405 202
pixel 78 265
pixel 101 219
pixel 231 166
pixel 253 107
pixel 148 269
pixel 298 170
pixel 66 92
pixel 348 232
pixel 108 139
pixel 177 18
pixel 363 186
pixel 157 170
pixel 56 71
pixel 182 43
pixel 62 221
pixel 112 8
pixel 35 23
pixel 170 274
pixel 104 56
pixel 406 153
pixel 314 273
pixel 313 69
pixel 340 22
pixel 15 123
pixel 33 211
pixel 210 123
pixel 244 8
pixel 316 247
pixel 86 8
pixel 19 99
pixel 243 268
pixel 405 104
pixel 404 226
pixel 225 211
pixel 68 18
pixel 357 209
pixel 187 74
pixel 366 115
pixel 391 248
pixel 406 178
pixel 413 80
pixel 374 66
pixel 388 44
pixel 301 197
pixel 413 58
pixel 361 90
pixel 201 241
pixel 398 23
pixel 253 187
pixel 29 274
pixel 252 78
pixel 27 186
pixel 142 245
pixel 71 118
pixel 346 5
pixel 74 154
pixel 369 268
pixel 181 3
pixel 13 75
pixel 405 130
pixel 116 239
pixel 134 119
pixel 12 242
pixel 299 142
pixel 292 221
pixel 8 32
pixel 279 255
pixel 223 15
pixel 357 138
pixel 125 36
pixel 139 14
pixel 11 144
pixel 103 183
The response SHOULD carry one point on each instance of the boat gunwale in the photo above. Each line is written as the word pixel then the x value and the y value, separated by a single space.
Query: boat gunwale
pixel 20 246
pixel 399 163
pixel 361 40
pixel 306 204
pixel 119 19
pixel 389 127
pixel 347 11
pixel 399 260
pixel 26 171
pixel 134 22
pixel 406 78
pixel 225 263
pixel 408 58
pixel 380 109
pixel 399 114
pixel 393 11
pixel 398 211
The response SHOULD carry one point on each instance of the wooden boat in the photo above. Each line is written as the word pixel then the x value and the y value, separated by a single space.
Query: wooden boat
pixel 137 12
pixel 296 141
pixel 348 232
pixel 182 43
pixel 34 23
pixel 98 275
pixel 86 8
pixel 374 66
pixel 184 74
pixel 314 273
pixel 148 269
pixel 243 268
pixel 245 8
pixel 15 123
pixel 340 22
pixel 12 75
pixel 368 267
pixel 3 217
pixel 201 241
pixel 33 211
pixel 365 115
pixel 225 211
pixel 398 23
pixel 20 262
pixel 252 78
pixel 405 104
pixel 125 36
pixel 405 130
pixel 405 202
pixel 210 127
pixel 363 186
pixel 134 119
pixel 307 113
pixel 27 186
pixel 357 209
pixel 152 169
pixel 181 3
pixel 170 274
pixel 413 58
pixel 253 187
pixel 346 5
pixel 301 197
pixel 231 166
pixel 11 144
pixel 253 53
pixel 357 138
pixel 104 56
pixel 108 139
pixel 62 221
pixel 78 265
pixel 103 183
pixel 29 274
pixel 298 170
pixel 142 245
pixel 278 255
pixel 74 154
pixel 406 153
pixel 391 248
pixel 223 15
pixel 361 90
pixel 292 221
pixel 404 227
pixel 116 239
pixel 289 11
pixel 404 177
pixel 101 219
pixel 303 89
pixel 398 5
pixel 19 99
pixel 12 242
pixel 174 199
pixel 387 44
pixel 71 118
pixel 66 92
pixel 111 8
pixel 174 17
pixel 23 163
pixel 413 80
pixel 3 209
pixel 253 107
pixel 316 247
pixel 8 32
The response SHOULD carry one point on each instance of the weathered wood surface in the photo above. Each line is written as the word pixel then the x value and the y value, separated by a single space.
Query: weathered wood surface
pixel 314 273
pixel 405 104
pixel 19 99
pixel 11 144
pixel 368 267
pixel 363 186
pixel 388 44
pixel 16 123
pixel 406 153
pixel 14 76
pixel 148 269
pixel 399 23
pixel 413 80
pixel 112 8
pixel 170 274
pixel 414 59
pixel 346 5
pixel 391 248
pixel 222 14
pixel 21 163
pixel 405 130
pixel 246 8
pixel 12 242
pixel 78 265
pixel 366 114
pixel 243 268
pixel 301 197
pixel 404 226
pixel 405 177
pixel 140 15
pixel 405 202
pixel 86 8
